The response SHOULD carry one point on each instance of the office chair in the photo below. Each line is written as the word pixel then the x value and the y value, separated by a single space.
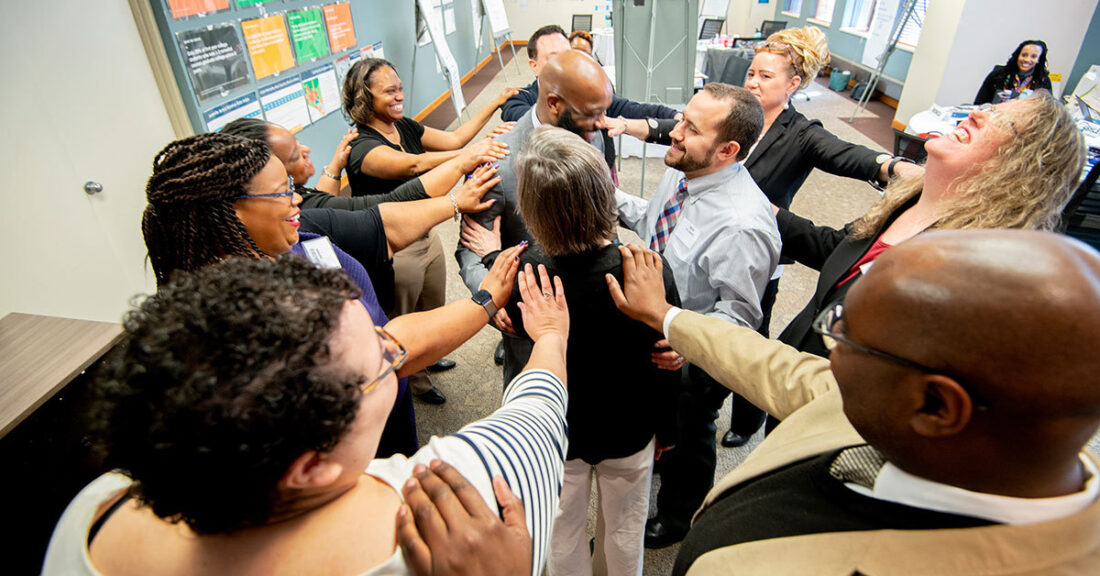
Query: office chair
pixel 1081 216
pixel 909 146
pixel 711 27
pixel 769 27
pixel 582 22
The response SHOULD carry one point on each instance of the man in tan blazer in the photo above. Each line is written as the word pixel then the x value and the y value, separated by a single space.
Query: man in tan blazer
pixel 945 434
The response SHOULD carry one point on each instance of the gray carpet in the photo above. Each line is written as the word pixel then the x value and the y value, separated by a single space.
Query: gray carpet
pixel 473 388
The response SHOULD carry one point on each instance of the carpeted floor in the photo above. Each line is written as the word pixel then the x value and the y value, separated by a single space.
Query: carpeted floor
pixel 473 388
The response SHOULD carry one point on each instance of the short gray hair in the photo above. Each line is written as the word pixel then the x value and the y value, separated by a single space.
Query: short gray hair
pixel 565 192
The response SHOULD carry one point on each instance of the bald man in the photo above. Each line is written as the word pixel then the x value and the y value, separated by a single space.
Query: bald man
pixel 944 435
pixel 575 95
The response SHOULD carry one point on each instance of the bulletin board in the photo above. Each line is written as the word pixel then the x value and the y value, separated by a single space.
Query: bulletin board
pixel 270 59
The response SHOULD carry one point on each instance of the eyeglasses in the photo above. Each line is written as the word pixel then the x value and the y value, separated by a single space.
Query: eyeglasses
pixel 393 355
pixel 289 191
pixel 998 117
pixel 826 325
pixel 579 115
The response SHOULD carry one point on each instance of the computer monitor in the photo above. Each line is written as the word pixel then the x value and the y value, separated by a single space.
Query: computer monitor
pixel 711 28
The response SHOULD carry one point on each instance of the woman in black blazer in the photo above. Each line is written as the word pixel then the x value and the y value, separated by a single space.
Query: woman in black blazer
pixel 1026 69
pixel 789 148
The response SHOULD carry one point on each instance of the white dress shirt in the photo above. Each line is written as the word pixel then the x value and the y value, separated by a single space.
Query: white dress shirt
pixel 725 245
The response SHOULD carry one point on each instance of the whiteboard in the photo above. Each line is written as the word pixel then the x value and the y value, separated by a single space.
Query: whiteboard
pixel 498 19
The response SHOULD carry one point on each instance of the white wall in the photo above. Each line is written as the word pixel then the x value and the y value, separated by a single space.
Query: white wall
pixel 745 16
pixel 526 16
pixel 962 41
pixel 83 106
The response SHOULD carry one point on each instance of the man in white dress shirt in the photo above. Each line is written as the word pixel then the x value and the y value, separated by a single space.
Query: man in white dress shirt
pixel 717 231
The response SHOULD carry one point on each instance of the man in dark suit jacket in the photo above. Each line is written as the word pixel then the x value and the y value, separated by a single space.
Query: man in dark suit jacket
pixel 576 95
pixel 549 41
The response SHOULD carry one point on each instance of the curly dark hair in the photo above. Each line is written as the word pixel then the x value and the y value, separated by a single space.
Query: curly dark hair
pixel 356 96
pixel 251 128
pixel 223 380
pixel 1040 70
pixel 189 220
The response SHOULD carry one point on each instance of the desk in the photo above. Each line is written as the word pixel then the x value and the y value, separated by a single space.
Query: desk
pixel 43 444
pixel 728 65
pixel 928 122
pixel 39 355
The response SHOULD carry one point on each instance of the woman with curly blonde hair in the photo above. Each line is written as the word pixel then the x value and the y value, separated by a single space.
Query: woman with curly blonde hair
pixel 1013 165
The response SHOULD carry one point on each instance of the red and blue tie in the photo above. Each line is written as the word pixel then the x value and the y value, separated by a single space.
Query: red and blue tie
pixel 667 221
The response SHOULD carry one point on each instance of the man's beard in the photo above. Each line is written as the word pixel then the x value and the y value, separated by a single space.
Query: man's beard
pixel 565 122
pixel 688 164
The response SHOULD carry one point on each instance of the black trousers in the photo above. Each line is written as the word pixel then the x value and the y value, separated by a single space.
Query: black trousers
pixel 687 472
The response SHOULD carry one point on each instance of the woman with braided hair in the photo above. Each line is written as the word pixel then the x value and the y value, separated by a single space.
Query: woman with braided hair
pixel 215 196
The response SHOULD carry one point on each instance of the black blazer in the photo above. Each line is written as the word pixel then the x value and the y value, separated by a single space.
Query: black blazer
pixel 790 150
pixel 831 252
pixel 515 107
pixel 998 79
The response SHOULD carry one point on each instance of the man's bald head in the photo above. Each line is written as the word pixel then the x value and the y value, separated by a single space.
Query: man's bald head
pixel 574 92
pixel 1011 317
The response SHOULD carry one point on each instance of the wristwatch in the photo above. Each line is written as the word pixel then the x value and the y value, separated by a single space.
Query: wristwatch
pixel 484 299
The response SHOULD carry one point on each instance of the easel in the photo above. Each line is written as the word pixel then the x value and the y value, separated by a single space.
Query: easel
pixel 494 34
pixel 446 61
pixel 895 34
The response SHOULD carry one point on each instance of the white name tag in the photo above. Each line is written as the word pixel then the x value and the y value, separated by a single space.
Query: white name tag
pixel 685 232
pixel 320 252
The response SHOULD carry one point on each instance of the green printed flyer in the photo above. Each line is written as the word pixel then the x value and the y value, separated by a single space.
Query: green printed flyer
pixel 307 33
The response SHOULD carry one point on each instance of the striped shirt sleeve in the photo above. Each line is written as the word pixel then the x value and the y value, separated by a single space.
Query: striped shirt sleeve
pixel 525 442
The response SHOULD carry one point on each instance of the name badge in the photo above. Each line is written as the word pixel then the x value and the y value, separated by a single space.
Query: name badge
pixel 685 232
pixel 320 252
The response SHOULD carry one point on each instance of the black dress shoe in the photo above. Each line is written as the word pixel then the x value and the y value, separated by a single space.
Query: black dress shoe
pixel 498 354
pixel 657 535
pixel 443 365
pixel 433 396
pixel 733 439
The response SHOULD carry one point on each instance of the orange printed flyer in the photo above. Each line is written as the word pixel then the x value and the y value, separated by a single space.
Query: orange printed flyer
pixel 268 45
pixel 184 8
pixel 341 31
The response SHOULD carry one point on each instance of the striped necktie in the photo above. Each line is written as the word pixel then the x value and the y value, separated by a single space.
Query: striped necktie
pixel 667 221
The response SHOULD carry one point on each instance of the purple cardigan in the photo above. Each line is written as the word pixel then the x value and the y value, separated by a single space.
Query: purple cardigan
pixel 399 435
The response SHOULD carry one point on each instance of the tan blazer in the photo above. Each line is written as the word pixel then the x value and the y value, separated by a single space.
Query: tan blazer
pixel 782 381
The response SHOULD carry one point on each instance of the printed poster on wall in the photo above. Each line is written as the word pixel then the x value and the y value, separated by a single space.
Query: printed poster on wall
pixel 185 8
pixel 341 30
pixel 341 66
pixel 284 103
pixel 307 31
pixel 214 58
pixel 322 93
pixel 247 3
pixel 247 106
pixel 268 45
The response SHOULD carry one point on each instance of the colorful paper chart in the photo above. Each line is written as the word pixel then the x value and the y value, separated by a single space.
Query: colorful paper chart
pixel 321 91
pixel 214 58
pixel 247 106
pixel 247 3
pixel 307 31
pixel 268 45
pixel 341 30
pixel 341 66
pixel 185 8
pixel 284 103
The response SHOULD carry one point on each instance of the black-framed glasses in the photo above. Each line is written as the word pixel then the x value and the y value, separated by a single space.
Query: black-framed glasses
pixel 289 191
pixel 393 356
pixel 826 325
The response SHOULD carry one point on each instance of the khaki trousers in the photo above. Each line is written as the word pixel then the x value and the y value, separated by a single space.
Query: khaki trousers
pixel 420 279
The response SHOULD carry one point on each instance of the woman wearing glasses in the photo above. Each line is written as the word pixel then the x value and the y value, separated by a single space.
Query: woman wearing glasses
pixel 243 414
pixel 214 196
